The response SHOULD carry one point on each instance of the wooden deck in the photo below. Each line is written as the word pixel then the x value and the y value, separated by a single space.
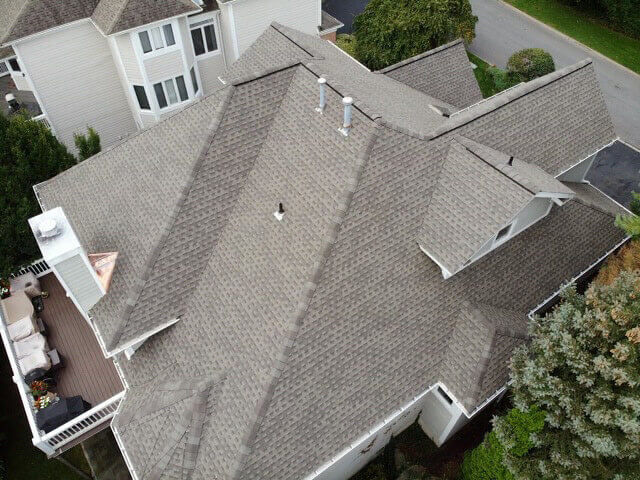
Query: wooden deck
pixel 86 372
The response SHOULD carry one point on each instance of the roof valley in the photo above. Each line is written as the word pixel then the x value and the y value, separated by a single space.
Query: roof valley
pixel 155 254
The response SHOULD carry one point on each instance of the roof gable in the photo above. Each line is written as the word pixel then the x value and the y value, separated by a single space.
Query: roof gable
pixel 444 73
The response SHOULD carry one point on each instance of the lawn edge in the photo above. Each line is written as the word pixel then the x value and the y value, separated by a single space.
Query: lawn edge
pixel 571 39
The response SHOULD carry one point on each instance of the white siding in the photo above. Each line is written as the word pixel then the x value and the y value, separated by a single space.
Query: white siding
pixel 75 77
pixel 226 32
pixel 129 60
pixel 75 274
pixel 252 17
pixel 537 209
pixel 147 119
pixel 20 80
pixel 186 38
pixel 577 173
pixel 164 66
pixel 210 69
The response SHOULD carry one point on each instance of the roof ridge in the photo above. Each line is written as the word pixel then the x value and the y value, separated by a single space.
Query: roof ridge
pixel 419 56
pixel 490 164
pixel 14 21
pixel 155 253
pixel 499 101
pixel 303 305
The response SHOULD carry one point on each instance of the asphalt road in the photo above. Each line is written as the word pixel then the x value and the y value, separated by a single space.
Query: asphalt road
pixel 502 30
pixel 616 171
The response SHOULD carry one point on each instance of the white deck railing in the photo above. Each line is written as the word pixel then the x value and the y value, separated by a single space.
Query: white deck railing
pixel 42 118
pixel 76 427
pixel 39 268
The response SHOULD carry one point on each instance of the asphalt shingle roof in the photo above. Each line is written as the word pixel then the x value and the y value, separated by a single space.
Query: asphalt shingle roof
pixel 21 18
pixel 325 322
pixel 444 73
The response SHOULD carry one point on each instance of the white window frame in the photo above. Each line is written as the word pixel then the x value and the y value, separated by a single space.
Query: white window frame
pixel 179 103
pixel 165 49
pixel 199 25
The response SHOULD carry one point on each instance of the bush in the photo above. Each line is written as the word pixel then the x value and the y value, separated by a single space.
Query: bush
pixel 389 31
pixel 626 260
pixel 501 79
pixel 512 432
pixel 530 63
pixel 622 15
pixel 29 154
pixel 87 145
pixel 347 43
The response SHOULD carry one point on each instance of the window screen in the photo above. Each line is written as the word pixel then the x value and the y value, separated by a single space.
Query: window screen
pixel 157 38
pixel 198 42
pixel 141 95
pixel 168 35
pixel 182 88
pixel 162 100
pixel 145 42
pixel 210 36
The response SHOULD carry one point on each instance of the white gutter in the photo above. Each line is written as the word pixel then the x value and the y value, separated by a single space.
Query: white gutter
pixel 588 156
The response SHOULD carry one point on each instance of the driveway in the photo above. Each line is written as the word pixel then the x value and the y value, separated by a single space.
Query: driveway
pixel 501 30
pixel 616 171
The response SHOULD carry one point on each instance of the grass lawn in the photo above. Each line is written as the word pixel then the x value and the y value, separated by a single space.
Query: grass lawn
pixel 21 459
pixel 485 80
pixel 571 22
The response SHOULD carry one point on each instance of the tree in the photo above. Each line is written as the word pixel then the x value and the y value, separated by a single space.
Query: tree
pixel 29 154
pixel 582 368
pixel 511 432
pixel 631 223
pixel 389 31
pixel 530 63
pixel 87 145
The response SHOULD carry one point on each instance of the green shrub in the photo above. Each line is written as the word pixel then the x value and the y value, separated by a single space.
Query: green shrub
pixel 88 145
pixel 389 31
pixel 501 79
pixel 347 43
pixel 530 63
pixel 512 432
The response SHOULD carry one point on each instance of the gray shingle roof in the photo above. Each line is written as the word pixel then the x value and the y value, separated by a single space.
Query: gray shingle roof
pixel 113 16
pixel 325 322
pixel 479 191
pixel 21 18
pixel 444 73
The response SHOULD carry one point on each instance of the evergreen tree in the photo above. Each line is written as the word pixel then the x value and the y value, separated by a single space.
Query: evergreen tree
pixel 29 154
pixel 88 145
pixel 389 31
pixel 631 223
pixel 582 368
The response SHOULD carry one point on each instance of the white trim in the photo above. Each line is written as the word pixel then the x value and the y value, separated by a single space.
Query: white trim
pixel 165 49
pixel 132 99
pixel 633 147
pixel 588 156
pixel 142 337
pixel 180 102
pixel 123 450
pixel 137 49
pixel 349 56
pixel 330 30
pixel 445 273
pixel 32 87
pixel 234 36
pixel 47 31
pixel 534 310
pixel 216 33
pixel 390 419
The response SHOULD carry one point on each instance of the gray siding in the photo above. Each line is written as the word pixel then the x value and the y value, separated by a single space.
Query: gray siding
pixel 129 60
pixel 210 69
pixel 75 273
pixel 75 76
pixel 164 66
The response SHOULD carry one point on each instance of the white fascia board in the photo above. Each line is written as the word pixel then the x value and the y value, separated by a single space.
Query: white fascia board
pixel 47 31
pixel 349 56
pixel 588 156
pixel 142 337
pixel 445 273
pixel 390 419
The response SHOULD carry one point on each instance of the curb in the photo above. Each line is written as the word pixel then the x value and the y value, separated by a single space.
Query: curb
pixel 570 39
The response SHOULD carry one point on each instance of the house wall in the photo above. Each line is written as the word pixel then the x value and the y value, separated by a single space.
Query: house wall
pixel 252 17
pixel 129 60
pixel 209 66
pixel 77 83
pixel 578 172
pixel 161 67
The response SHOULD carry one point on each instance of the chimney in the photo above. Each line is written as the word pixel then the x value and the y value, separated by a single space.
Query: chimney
pixel 323 95
pixel 62 250
pixel 346 124
pixel 510 162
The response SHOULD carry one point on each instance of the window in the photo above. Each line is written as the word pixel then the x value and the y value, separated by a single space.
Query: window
pixel 15 66
pixel 141 95
pixel 503 233
pixel 194 80
pixel 171 91
pixel 204 38
pixel 157 38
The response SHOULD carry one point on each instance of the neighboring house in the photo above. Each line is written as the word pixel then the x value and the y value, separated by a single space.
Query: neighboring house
pixel 301 276
pixel 122 65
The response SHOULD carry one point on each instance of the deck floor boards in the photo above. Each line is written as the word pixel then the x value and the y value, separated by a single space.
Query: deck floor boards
pixel 86 372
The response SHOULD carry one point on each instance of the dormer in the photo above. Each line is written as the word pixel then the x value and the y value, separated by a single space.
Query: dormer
pixel 482 199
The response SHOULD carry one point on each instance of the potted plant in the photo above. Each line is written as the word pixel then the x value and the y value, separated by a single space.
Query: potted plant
pixel 5 288
pixel 38 388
